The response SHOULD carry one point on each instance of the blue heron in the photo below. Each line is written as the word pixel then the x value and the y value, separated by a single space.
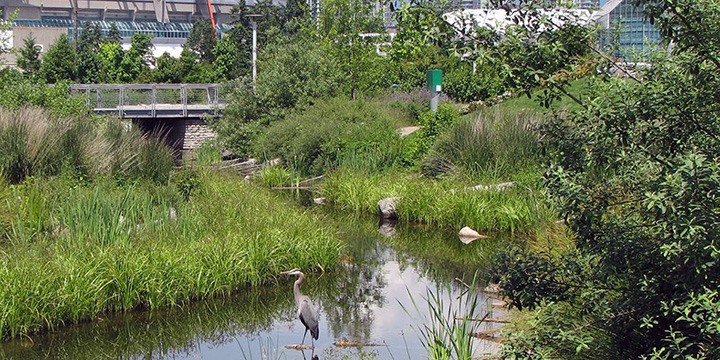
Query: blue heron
pixel 306 311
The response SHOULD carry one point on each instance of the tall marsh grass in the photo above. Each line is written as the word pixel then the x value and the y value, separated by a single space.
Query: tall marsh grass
pixel 37 143
pixel 90 249
pixel 497 144
pixel 440 202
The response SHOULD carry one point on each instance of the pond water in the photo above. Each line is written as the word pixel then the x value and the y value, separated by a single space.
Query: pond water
pixel 362 301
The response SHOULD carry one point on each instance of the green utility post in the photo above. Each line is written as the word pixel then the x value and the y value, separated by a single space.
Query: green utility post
pixel 434 85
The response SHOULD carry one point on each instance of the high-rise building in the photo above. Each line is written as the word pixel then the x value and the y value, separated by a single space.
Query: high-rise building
pixel 625 31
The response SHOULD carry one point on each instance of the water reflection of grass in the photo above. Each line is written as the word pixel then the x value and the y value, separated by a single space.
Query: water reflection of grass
pixel 161 333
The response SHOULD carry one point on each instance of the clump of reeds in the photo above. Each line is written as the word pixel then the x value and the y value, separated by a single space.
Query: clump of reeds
pixel 208 153
pixel 447 330
pixel 275 176
pixel 496 144
pixel 37 143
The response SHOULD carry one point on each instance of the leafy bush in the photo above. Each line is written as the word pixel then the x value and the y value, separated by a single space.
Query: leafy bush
pixel 636 173
pixel 495 144
pixel 462 85
pixel 18 91
pixel 291 76
pixel 332 133
pixel 432 125
pixel 552 332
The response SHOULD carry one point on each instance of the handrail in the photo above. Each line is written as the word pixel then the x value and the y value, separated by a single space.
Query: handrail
pixel 143 86
pixel 148 102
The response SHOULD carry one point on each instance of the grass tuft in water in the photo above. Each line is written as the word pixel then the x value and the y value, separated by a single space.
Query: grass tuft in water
pixel 447 330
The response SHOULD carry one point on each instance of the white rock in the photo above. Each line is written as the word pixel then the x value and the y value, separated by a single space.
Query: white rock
pixel 468 235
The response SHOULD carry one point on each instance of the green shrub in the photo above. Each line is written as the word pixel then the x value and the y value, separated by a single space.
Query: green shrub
pixel 432 125
pixel 332 133
pixel 293 75
pixel 552 332
pixel 462 85
pixel 495 144
pixel 18 91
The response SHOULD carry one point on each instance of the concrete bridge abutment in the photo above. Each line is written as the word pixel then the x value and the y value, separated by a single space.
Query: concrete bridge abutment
pixel 182 134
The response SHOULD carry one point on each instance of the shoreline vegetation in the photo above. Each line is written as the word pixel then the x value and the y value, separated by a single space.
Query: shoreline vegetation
pixel 93 220
pixel 444 203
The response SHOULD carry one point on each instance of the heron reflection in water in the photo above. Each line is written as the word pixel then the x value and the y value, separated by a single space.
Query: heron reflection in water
pixel 306 311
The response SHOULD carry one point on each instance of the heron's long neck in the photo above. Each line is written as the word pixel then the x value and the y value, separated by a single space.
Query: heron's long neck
pixel 296 287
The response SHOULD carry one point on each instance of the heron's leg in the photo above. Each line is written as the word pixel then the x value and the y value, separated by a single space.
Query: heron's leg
pixel 303 340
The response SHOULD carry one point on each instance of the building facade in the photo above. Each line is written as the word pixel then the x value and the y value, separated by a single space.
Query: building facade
pixel 168 21
pixel 625 33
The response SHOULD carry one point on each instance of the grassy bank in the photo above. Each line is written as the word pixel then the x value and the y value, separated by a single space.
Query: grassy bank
pixel 438 201
pixel 492 148
pixel 72 251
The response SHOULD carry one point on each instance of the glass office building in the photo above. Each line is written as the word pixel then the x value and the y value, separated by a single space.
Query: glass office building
pixel 626 33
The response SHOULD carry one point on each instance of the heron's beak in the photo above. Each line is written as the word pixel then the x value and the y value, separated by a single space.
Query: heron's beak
pixel 285 272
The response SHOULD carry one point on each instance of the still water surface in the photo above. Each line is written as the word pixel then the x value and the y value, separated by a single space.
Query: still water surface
pixel 362 301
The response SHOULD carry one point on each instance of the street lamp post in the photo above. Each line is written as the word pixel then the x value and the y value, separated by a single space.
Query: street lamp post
pixel 254 45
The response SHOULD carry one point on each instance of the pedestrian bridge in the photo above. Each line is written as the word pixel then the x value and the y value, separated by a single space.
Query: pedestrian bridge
pixel 154 101
pixel 177 111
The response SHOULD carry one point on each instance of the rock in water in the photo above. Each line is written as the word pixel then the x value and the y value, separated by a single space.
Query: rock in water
pixel 387 208
pixel 468 235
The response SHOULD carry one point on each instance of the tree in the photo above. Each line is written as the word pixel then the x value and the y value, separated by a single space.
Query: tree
pixel 227 62
pixel 202 40
pixel 59 63
pixel 113 36
pixel 635 174
pixel 167 70
pixel 29 57
pixel 137 59
pixel 111 57
pixel 5 26
pixel 342 24
pixel 89 65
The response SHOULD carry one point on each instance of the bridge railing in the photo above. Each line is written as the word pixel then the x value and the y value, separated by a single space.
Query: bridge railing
pixel 154 100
